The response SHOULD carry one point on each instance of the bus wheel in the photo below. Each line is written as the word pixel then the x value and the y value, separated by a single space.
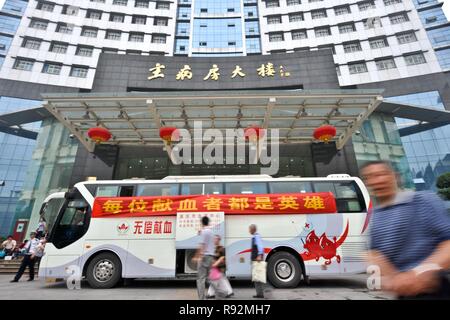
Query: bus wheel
pixel 104 271
pixel 284 270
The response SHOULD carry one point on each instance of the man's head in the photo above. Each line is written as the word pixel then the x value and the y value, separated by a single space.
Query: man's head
pixel 380 178
pixel 9 237
pixel 205 221
pixel 252 229
pixel 217 239
pixel 33 235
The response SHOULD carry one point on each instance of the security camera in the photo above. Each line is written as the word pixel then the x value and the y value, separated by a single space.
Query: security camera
pixel 357 132
pixel 71 136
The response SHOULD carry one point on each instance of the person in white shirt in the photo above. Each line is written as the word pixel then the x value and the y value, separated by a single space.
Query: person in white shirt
pixel 9 245
pixel 29 258
pixel 42 228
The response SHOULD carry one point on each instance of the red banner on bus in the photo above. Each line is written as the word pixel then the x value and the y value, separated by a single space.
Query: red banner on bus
pixel 292 203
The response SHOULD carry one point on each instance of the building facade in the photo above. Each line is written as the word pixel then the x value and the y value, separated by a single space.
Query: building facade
pixel 67 47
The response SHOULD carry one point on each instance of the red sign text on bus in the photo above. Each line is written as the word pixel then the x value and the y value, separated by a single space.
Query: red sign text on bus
pixel 292 203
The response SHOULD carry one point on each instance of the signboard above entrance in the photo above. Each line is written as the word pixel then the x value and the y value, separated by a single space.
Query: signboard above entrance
pixel 298 70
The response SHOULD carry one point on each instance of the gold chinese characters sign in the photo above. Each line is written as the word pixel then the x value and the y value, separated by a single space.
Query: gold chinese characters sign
pixel 186 73
pixel 291 203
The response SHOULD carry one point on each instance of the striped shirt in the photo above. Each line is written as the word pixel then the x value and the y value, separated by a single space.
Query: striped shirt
pixel 409 230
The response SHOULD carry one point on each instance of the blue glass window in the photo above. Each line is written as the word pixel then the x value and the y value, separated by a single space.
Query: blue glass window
pixel 444 58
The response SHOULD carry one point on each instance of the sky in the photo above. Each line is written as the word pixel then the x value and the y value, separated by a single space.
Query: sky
pixel 446 7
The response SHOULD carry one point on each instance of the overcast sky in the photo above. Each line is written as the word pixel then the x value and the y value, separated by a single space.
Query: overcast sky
pixel 446 6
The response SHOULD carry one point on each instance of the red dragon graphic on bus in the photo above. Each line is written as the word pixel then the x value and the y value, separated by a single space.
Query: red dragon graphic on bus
pixel 322 247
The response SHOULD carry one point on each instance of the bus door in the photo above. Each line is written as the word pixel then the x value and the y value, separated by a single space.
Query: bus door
pixel 187 237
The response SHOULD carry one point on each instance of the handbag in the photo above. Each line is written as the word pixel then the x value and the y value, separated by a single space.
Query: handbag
pixel 2 253
pixel 215 274
pixel 259 273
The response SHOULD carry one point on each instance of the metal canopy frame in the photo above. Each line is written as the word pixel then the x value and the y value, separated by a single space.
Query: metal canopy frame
pixel 135 118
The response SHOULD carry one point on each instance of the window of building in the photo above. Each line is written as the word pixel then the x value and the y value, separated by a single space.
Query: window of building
pixel 94 14
pixel 299 34
pixel 385 63
pixel 293 2
pixel 38 24
pixel 372 23
pixel 23 64
pixel 141 3
pixel 399 18
pixel 45 6
pixel 357 67
pixel 116 17
pixel 327 46
pixel 110 50
pixel 89 32
pixel 276 37
pixel 414 59
pixel 274 19
pixel 391 2
pixel 318 14
pixel 52 68
pixel 158 38
pixel 346 28
pixel 64 28
pixel 31 43
pixel 139 20
pixel 160 21
pixel 79 71
pixel 84 51
pixel 59 47
pixel 70 10
pixel 120 2
pixel 406 37
pixel 136 37
pixel 350 47
pixel 296 16
pixel 272 4
pixel 162 5
pixel 322 32
pixel 376 43
pixel 113 34
pixel 366 5
pixel 338 11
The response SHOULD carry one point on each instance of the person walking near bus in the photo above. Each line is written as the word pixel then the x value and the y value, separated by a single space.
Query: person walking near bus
pixel 29 258
pixel 220 263
pixel 204 257
pixel 409 236
pixel 257 255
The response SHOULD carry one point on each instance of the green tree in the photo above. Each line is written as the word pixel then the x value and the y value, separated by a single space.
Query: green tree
pixel 443 184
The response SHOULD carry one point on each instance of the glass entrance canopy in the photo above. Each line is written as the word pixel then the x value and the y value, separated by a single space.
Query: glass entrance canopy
pixel 135 118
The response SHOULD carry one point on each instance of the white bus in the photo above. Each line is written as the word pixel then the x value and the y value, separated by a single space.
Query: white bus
pixel 112 230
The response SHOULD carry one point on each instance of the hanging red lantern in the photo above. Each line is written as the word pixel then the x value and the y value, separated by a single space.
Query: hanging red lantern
pixel 99 134
pixel 169 134
pixel 254 133
pixel 324 133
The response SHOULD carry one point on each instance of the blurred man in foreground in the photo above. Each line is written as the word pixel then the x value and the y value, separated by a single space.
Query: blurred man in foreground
pixel 409 236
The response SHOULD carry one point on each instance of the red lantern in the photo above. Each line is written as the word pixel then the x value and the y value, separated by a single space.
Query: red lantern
pixel 324 133
pixel 99 134
pixel 254 133
pixel 167 133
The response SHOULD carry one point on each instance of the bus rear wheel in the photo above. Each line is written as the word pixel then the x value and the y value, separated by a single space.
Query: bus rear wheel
pixel 284 270
pixel 104 271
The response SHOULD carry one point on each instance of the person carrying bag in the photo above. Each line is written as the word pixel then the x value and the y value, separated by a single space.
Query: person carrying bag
pixel 258 263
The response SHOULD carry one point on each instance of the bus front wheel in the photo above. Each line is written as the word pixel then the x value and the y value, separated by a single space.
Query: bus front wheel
pixel 104 271
pixel 284 270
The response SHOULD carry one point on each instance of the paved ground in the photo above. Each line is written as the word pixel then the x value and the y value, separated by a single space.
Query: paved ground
pixel 342 288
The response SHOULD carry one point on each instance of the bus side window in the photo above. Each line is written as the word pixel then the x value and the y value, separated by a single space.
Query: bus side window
pixel 348 199
pixel 107 191
pixel 126 191
pixel 158 189
pixel 246 188
pixel 192 188
pixel 213 188
pixel 290 187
